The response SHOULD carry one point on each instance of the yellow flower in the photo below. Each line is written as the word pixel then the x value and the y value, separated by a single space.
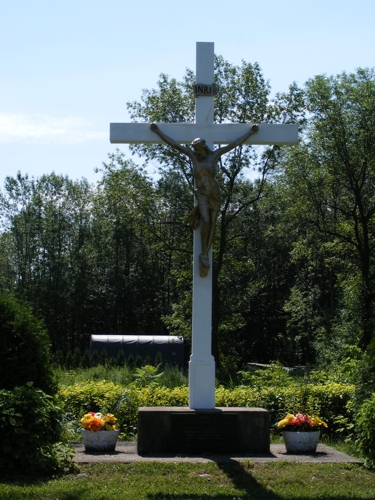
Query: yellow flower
pixel 110 419
pixel 86 419
pixel 317 422
pixel 285 421
pixel 92 422
pixel 110 427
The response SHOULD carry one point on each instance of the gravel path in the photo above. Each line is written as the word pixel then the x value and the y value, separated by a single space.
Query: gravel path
pixel 126 452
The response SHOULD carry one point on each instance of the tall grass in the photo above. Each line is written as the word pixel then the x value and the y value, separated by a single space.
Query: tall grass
pixel 122 375
pixel 171 377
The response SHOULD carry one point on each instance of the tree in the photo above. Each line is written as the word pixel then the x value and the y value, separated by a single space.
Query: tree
pixel 332 179
pixel 46 223
pixel 25 348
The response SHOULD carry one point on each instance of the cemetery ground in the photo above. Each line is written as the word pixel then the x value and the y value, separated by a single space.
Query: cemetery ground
pixel 233 480
pixel 158 479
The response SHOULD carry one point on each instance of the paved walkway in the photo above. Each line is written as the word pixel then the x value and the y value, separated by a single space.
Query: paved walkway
pixel 127 453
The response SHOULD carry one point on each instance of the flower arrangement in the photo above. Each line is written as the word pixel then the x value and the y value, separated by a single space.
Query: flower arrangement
pixel 96 422
pixel 301 423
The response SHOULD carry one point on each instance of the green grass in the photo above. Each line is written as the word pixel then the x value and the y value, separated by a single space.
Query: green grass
pixel 171 377
pixel 157 481
pixel 121 376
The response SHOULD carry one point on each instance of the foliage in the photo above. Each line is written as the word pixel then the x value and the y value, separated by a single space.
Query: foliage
pixel 328 400
pixel 31 431
pixel 25 348
pixel 330 181
pixel 80 398
pixel 173 377
pixel 170 377
pixel 365 431
pixel 274 375
pixel 147 375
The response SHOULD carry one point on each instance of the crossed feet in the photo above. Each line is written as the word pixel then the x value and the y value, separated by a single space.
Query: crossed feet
pixel 204 265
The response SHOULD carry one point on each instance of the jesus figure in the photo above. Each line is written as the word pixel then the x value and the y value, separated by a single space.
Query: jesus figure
pixel 207 191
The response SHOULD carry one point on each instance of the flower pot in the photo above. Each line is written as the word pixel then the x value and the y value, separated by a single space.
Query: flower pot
pixel 301 442
pixel 100 440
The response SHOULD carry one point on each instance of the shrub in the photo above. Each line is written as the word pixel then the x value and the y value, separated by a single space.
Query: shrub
pixel 78 399
pixel 104 396
pixel 104 357
pixel 131 361
pixel 25 348
pixel 158 361
pixel 273 376
pixel 172 377
pixel 365 431
pixel 69 360
pixel 95 359
pixel 120 360
pixel 30 433
pixel 76 358
pixel 327 401
pixel 86 361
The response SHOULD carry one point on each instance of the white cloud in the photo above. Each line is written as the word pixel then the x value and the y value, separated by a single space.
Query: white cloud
pixel 42 128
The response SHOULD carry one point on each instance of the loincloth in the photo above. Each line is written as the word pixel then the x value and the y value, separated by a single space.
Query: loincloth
pixel 206 202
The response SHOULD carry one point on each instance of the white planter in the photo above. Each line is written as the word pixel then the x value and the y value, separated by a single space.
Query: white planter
pixel 301 442
pixel 100 440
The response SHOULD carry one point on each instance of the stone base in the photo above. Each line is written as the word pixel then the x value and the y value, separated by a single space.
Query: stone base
pixel 218 430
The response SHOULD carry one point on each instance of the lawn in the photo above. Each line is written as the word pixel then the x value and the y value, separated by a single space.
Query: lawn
pixel 158 481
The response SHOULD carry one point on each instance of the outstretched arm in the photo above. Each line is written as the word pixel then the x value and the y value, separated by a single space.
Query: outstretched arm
pixel 170 141
pixel 253 130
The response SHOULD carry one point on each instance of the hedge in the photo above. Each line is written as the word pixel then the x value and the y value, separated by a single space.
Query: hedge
pixel 327 400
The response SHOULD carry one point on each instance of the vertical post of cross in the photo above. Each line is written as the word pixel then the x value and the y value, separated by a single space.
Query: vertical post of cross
pixel 202 363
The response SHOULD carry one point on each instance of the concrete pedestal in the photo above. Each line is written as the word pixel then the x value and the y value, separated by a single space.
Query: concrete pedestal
pixel 217 430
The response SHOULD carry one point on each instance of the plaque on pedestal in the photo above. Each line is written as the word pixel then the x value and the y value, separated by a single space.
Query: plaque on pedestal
pixel 204 432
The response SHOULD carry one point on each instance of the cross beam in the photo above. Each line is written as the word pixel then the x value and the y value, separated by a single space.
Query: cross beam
pixel 184 133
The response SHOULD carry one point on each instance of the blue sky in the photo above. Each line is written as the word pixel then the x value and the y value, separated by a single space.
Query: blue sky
pixel 68 67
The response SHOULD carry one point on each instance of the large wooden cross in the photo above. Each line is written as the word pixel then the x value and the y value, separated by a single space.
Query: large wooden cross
pixel 202 364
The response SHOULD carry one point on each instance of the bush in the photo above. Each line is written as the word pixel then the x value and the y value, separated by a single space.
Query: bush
pixel 365 431
pixel 95 359
pixel 120 360
pixel 86 361
pixel 78 399
pixel 76 358
pixel 30 433
pixel 173 377
pixel 327 401
pixel 25 348
pixel 131 361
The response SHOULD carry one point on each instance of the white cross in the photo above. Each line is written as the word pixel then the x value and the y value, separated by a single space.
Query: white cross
pixel 202 364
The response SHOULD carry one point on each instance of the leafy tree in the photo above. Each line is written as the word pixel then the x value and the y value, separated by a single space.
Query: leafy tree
pixel 25 352
pixel 331 176
pixel 46 223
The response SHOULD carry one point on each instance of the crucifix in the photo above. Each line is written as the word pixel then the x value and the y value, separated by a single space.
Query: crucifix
pixel 202 135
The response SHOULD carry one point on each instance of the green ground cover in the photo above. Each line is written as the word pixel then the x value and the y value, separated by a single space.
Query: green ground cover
pixel 157 481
